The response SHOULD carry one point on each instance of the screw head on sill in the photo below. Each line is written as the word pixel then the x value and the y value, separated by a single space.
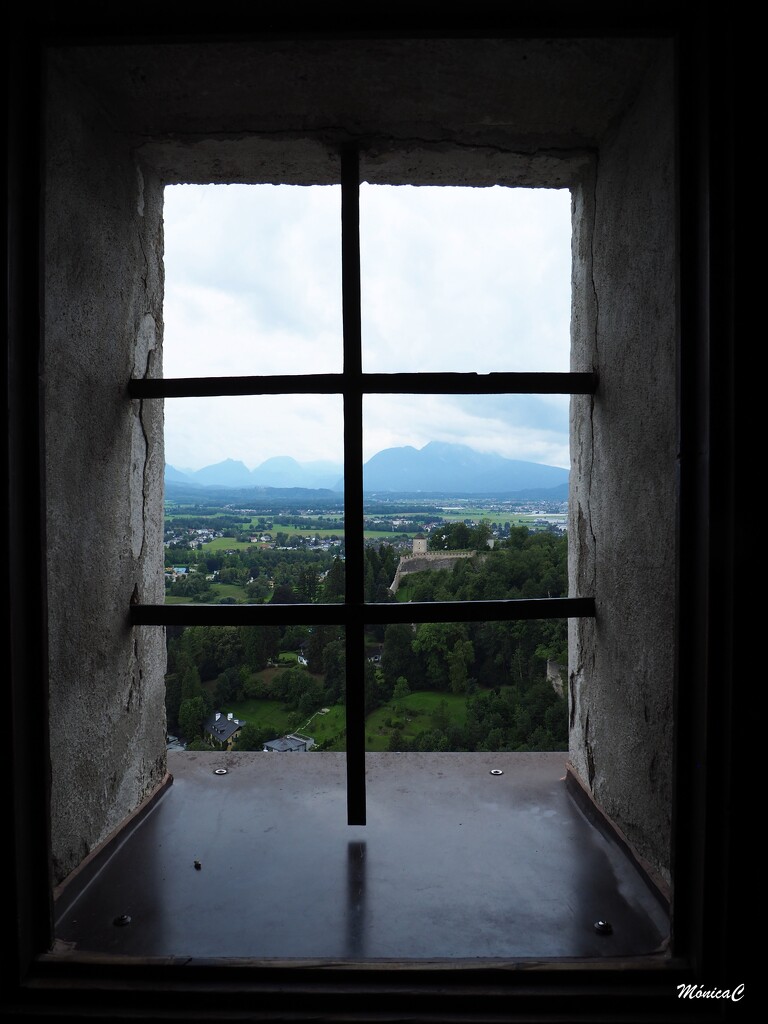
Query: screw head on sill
pixel 496 771
pixel 219 771
pixel 121 920
pixel 603 928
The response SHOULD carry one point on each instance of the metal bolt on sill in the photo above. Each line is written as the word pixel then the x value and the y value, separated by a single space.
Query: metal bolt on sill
pixel 220 771
pixel 603 928
pixel 121 920
pixel 496 771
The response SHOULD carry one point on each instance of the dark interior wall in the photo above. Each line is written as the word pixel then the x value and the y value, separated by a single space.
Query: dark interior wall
pixel 623 514
pixel 103 470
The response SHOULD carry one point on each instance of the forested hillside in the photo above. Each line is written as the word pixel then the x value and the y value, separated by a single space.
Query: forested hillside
pixel 488 679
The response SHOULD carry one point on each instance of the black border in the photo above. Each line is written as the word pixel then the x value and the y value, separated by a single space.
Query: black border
pixel 710 836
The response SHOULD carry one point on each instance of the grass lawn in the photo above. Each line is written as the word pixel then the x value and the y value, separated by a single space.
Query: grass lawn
pixel 414 714
pixel 227 544
pixel 228 590
pixel 273 716
pixel 270 715
pixel 411 715
pixel 330 726
pixel 218 590
pixel 289 659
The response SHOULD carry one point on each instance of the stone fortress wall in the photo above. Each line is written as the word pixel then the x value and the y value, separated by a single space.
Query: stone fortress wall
pixel 427 560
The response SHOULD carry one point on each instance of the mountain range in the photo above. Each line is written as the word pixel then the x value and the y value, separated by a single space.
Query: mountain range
pixel 280 471
pixel 437 467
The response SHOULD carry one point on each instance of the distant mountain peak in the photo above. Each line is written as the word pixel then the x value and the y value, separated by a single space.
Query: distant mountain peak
pixel 439 466
pixel 444 466
pixel 278 461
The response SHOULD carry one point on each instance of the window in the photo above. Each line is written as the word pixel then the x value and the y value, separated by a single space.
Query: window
pixel 354 384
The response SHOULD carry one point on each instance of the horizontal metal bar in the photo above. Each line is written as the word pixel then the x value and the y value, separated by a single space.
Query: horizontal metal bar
pixel 339 614
pixel 480 383
pixel 238 614
pixel 481 611
pixel 368 383
pixel 203 387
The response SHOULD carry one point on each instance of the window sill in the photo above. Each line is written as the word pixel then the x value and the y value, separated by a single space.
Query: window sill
pixel 454 865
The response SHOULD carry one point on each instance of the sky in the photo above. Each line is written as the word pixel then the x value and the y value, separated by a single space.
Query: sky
pixel 452 279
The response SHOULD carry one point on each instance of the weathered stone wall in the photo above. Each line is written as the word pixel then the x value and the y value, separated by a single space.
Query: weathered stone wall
pixel 555 673
pixel 623 493
pixel 432 560
pixel 104 474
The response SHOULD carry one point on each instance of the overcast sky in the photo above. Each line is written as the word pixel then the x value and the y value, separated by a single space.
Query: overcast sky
pixel 453 279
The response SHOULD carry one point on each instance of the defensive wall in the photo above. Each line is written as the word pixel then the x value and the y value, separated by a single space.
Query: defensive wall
pixel 432 560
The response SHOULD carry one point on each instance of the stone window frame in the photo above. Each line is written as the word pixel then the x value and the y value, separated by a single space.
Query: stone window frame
pixel 354 614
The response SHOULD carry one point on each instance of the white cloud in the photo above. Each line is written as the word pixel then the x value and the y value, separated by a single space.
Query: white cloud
pixel 201 431
pixel 504 428
pixel 460 279
pixel 453 279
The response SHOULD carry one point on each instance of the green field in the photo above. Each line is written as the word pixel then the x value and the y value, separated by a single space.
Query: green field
pixel 330 726
pixel 228 544
pixel 274 717
pixel 219 590
pixel 411 715
pixel 270 715
pixel 479 515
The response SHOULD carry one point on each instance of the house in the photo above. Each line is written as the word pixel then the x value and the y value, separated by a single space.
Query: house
pixel 221 731
pixel 293 743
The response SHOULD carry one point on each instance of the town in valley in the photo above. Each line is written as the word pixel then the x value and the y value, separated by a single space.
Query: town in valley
pixel 434 686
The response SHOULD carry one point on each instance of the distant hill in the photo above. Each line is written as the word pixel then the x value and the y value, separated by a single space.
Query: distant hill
pixel 438 467
pixel 280 471
pixel 278 497
pixel 456 468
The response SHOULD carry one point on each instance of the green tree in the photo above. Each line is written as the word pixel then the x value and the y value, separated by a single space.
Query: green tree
pixel 397 652
pixel 192 713
pixel 172 701
pixel 435 642
pixel 294 638
pixel 189 679
pixel 257 590
pixel 252 737
pixel 228 686
pixel 459 659
pixel 259 645
pixel 441 717
pixel 452 537
pixel 334 584
pixel 334 667
pixel 284 594
pixel 397 741
pixel 401 689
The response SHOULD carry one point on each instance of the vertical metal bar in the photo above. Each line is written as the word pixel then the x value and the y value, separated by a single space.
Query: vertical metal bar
pixel 353 485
